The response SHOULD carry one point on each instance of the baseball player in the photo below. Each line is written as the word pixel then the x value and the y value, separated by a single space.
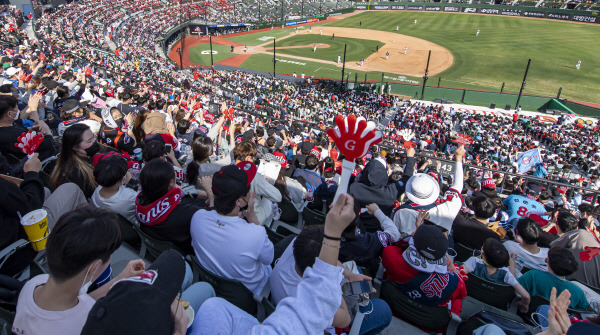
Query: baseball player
pixel 397 27
pixel 339 59
pixel 315 48
pixel 477 34
pixel 578 66
pixel 362 62
pixel 387 55
pixel 405 49
pixel 415 21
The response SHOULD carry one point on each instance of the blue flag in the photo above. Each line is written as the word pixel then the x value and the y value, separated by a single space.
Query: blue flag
pixel 528 159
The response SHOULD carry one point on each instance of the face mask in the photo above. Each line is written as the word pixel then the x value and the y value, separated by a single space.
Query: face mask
pixel 17 115
pixel 86 286
pixel 119 123
pixel 91 151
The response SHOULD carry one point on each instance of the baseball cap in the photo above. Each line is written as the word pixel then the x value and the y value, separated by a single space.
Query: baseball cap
pixel 422 189
pixel 488 182
pixel 430 242
pixel 233 181
pixel 534 189
pixel 72 105
pixel 140 304
pixel 11 71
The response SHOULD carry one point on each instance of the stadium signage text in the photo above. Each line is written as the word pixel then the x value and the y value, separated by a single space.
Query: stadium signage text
pixel 511 12
pixel 489 11
pixel 469 10
pixel 361 6
pixel 380 7
pixel 585 18
pixel 558 16
pixel 289 61
pixel 451 9
pixel 533 14
pixel 397 7
pixel 433 8
pixel 414 7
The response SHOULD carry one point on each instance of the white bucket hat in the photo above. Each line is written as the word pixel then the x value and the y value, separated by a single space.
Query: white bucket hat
pixel 422 189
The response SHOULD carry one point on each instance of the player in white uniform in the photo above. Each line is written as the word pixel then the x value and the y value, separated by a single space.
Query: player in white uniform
pixel 339 59
pixel 415 21
pixel 387 55
pixel 315 48
pixel 405 49
pixel 578 66
pixel 477 34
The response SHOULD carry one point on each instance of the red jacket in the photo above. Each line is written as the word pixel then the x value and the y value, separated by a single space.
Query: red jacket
pixel 434 287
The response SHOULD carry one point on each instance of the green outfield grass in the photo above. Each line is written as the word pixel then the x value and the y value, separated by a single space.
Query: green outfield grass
pixel 356 48
pixel 500 52
pixel 196 56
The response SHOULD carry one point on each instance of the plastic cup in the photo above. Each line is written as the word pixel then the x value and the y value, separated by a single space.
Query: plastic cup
pixel 137 153
pixel 190 313
pixel 36 227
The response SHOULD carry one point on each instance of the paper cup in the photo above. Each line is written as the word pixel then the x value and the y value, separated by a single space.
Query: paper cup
pixel 36 227
pixel 190 313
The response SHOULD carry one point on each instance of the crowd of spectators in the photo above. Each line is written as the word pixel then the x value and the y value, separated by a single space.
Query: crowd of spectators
pixel 210 160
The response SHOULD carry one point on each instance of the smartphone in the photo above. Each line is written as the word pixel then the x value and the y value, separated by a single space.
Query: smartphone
pixel 357 288
pixel 169 147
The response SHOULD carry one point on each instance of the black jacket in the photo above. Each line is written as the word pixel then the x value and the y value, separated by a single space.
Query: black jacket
pixel 15 200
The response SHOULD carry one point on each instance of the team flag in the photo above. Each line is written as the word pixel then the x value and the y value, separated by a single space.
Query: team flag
pixel 528 159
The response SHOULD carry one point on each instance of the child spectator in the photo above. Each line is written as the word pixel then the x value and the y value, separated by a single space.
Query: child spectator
pixel 561 263
pixel 112 175
pixel 526 249
pixel 492 267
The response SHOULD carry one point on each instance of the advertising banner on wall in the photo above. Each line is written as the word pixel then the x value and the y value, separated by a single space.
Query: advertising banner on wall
pixel 433 8
pixel 451 9
pixel 534 14
pixel 558 16
pixel 409 7
pixel 397 7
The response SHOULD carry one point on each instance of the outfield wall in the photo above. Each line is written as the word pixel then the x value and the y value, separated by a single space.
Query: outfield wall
pixel 535 12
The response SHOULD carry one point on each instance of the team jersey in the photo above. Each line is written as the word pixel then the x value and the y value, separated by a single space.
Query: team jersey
pixel 518 207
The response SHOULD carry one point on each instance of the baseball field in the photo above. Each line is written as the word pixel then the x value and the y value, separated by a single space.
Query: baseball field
pixel 459 57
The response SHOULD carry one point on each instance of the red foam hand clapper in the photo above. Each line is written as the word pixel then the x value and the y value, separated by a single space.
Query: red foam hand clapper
pixel 88 71
pixel 590 253
pixel 354 136
pixel 229 113
pixel 465 140
pixel 28 142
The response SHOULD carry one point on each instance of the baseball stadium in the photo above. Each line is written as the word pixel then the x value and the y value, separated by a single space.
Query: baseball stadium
pixel 312 167
pixel 477 48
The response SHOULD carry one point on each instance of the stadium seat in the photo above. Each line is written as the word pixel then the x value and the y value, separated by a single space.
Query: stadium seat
pixel 595 289
pixel 6 319
pixel 476 320
pixel 434 318
pixel 152 247
pixel 496 295
pixel 462 252
pixel 274 236
pixel 235 292
pixel 313 217
pixel 128 233
pixel 537 301
pixel 290 219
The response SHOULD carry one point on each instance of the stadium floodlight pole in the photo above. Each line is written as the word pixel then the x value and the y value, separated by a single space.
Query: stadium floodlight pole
pixel 425 76
pixel 274 59
pixel 523 84
pixel 344 66
pixel 259 18
pixel 282 11
pixel 211 52
pixel 303 18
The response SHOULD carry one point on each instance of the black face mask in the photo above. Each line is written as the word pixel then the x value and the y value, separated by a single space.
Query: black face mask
pixel 119 123
pixel 91 151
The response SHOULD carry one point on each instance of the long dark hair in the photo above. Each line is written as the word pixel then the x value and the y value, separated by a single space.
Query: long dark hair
pixel 155 179
pixel 68 163
pixel 202 148
pixel 138 132
pixel 281 185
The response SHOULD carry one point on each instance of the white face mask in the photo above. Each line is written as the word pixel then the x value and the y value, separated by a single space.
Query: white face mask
pixel 86 286
pixel 17 114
